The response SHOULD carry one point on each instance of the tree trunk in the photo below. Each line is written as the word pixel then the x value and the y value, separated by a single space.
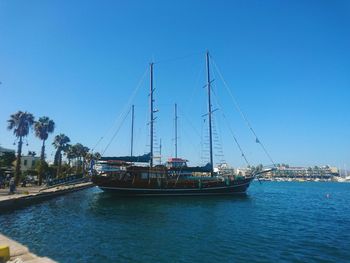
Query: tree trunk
pixel 18 161
pixel 83 167
pixel 59 164
pixel 42 160
pixel 57 154
pixel 76 165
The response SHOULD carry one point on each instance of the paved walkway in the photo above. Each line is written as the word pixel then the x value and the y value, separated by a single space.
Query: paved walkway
pixel 20 253
pixel 20 191
pixel 35 190
pixel 25 196
pixel 29 195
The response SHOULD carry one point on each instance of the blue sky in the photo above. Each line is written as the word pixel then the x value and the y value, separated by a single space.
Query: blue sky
pixel 286 62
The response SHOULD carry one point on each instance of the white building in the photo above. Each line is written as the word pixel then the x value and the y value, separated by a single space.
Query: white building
pixel 28 162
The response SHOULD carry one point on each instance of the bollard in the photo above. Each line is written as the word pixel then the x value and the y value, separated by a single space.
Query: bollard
pixel 4 253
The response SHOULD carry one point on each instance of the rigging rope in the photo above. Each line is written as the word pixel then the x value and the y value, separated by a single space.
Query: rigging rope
pixel 127 105
pixel 116 132
pixel 242 114
pixel 231 131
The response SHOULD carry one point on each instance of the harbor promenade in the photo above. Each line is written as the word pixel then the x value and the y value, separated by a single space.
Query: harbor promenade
pixel 25 196
pixel 19 253
pixel 22 197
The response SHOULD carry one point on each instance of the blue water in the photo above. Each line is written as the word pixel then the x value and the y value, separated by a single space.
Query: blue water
pixel 275 222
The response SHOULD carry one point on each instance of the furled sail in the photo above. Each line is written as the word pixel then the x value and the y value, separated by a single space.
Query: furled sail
pixel 135 159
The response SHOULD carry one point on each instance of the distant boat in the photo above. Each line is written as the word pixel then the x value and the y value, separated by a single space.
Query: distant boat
pixel 138 176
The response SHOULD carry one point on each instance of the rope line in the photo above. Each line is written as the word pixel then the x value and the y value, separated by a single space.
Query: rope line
pixel 116 132
pixel 242 114
pixel 127 105
pixel 231 130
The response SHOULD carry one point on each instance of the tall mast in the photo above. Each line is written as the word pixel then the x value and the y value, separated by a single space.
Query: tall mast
pixel 175 130
pixel 132 129
pixel 160 151
pixel 209 114
pixel 151 113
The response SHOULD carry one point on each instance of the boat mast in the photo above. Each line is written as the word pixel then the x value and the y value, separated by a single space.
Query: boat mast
pixel 151 113
pixel 175 130
pixel 209 114
pixel 160 151
pixel 132 129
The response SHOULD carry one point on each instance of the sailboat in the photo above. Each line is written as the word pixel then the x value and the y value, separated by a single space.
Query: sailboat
pixel 124 175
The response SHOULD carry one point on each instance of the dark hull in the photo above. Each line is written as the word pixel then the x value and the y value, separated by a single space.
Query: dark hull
pixel 235 187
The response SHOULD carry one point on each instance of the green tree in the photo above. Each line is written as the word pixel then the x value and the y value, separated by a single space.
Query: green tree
pixel 70 153
pixel 60 143
pixel 81 152
pixel 92 156
pixel 7 159
pixel 42 167
pixel 42 128
pixel 97 156
pixel 20 122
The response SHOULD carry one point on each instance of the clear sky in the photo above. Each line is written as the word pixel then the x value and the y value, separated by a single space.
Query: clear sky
pixel 286 62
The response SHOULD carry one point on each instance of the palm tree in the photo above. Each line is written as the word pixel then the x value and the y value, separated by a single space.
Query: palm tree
pixel 42 128
pixel 85 152
pixel 97 156
pixel 20 122
pixel 92 156
pixel 60 143
pixel 81 152
pixel 70 153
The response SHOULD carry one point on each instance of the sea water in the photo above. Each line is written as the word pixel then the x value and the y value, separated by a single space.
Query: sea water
pixel 274 222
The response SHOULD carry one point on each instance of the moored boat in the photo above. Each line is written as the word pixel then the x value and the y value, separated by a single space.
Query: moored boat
pixel 138 176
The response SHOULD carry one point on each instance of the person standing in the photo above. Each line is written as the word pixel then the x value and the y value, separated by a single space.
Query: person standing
pixel 12 186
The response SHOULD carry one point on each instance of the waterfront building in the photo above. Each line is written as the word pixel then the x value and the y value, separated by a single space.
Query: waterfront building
pixel 242 171
pixel 303 173
pixel 28 162
pixel 225 170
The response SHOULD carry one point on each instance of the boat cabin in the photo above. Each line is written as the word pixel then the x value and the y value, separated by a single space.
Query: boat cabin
pixel 176 163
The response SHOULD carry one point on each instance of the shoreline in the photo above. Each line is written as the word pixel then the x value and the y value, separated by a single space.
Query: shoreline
pixel 20 253
pixel 17 201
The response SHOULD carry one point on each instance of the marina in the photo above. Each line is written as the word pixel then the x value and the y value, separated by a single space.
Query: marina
pixel 186 132
pixel 275 221
pixel 124 177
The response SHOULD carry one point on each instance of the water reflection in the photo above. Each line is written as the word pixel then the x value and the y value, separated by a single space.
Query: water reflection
pixel 107 200
pixel 273 217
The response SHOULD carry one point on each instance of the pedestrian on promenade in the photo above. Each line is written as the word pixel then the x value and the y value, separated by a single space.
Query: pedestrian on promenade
pixel 12 186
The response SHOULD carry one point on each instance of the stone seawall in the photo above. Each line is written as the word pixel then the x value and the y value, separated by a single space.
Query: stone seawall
pixel 11 202
pixel 20 253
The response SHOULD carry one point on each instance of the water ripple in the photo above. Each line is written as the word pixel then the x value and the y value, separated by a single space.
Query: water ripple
pixel 284 222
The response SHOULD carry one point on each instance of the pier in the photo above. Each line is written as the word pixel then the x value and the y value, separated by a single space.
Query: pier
pixel 25 196
pixel 12 251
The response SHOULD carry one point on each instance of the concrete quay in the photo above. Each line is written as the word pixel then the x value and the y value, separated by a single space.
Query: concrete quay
pixel 20 253
pixel 25 196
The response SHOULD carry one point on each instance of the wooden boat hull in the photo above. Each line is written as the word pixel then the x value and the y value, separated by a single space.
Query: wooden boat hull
pixel 235 187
